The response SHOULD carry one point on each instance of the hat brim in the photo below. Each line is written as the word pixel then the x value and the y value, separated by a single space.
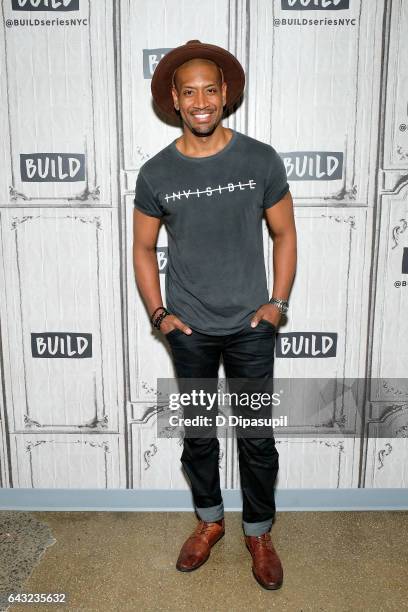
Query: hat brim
pixel 161 82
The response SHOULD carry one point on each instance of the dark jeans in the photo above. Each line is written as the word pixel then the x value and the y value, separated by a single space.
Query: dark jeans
pixel 248 353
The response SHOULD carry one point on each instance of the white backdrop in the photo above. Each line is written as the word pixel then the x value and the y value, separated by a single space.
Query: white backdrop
pixel 327 86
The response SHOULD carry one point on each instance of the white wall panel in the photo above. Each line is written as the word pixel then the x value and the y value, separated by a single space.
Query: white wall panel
pixel 387 461
pixel 48 461
pixel 58 99
pixel 385 450
pixel 330 463
pixel 314 88
pixel 396 92
pixel 390 332
pixel 330 290
pixel 155 460
pixel 60 279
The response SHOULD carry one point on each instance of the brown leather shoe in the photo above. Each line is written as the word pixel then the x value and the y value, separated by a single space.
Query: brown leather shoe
pixel 266 566
pixel 196 549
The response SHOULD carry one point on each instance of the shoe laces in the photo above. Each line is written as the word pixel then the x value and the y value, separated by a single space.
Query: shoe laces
pixel 264 540
pixel 203 528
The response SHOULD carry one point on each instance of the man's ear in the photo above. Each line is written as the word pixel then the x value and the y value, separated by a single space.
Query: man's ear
pixel 175 98
pixel 224 93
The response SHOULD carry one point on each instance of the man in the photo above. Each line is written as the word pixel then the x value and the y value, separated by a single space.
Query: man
pixel 211 187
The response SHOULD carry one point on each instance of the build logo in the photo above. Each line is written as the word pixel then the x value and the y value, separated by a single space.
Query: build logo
pixel 63 345
pixel 306 344
pixel 314 5
pixel 151 57
pixel 52 167
pixel 313 165
pixel 45 5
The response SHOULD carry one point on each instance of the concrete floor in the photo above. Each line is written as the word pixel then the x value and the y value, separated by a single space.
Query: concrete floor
pixel 338 561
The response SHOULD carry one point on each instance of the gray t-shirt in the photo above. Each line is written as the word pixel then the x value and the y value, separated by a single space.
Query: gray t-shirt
pixel 212 208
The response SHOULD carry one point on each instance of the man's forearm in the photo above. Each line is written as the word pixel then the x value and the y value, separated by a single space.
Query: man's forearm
pixel 147 277
pixel 284 265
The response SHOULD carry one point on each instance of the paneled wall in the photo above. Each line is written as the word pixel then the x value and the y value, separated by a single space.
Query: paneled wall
pixel 327 86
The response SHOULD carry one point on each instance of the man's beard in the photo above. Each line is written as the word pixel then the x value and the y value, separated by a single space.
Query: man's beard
pixel 206 130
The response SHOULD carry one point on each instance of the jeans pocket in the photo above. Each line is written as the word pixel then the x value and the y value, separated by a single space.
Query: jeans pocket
pixel 268 324
pixel 174 332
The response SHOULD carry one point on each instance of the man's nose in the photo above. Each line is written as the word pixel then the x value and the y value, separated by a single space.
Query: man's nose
pixel 201 99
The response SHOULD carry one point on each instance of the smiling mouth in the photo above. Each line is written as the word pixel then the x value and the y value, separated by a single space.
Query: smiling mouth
pixel 202 116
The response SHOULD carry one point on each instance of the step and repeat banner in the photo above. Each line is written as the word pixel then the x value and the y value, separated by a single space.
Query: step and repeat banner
pixel 327 87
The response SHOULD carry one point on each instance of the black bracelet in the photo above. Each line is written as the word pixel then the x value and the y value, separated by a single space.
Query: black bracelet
pixel 157 322
pixel 153 313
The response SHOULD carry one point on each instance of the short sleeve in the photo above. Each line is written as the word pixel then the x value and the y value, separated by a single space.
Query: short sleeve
pixel 276 185
pixel 144 198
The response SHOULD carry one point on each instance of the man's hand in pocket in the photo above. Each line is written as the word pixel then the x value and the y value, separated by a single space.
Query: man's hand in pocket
pixel 172 322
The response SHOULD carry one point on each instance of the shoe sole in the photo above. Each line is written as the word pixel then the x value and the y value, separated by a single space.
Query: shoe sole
pixel 272 587
pixel 191 569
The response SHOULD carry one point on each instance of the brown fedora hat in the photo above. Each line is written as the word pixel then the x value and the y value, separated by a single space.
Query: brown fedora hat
pixel 161 83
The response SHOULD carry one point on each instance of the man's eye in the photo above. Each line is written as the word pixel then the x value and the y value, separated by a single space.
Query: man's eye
pixel 212 89
pixel 187 91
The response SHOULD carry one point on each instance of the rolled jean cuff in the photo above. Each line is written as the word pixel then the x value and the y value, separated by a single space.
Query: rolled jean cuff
pixel 257 529
pixel 211 514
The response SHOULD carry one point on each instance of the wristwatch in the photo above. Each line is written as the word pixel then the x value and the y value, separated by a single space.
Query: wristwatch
pixel 283 305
